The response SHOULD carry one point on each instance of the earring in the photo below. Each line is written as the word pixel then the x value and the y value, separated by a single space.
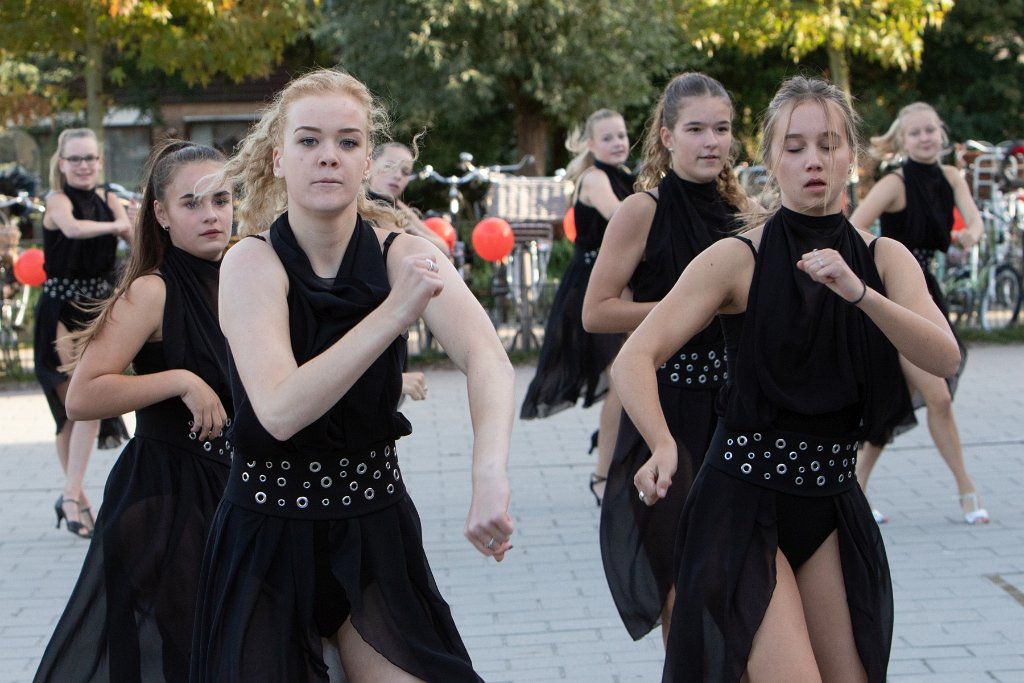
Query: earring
pixel 166 227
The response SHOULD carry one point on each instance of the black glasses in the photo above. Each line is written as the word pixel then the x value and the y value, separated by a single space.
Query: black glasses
pixel 75 160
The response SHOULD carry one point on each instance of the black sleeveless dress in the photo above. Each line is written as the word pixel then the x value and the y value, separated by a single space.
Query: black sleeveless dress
pixel 78 272
pixel 809 376
pixel 131 613
pixel 637 541
pixel 924 227
pixel 318 528
pixel 573 361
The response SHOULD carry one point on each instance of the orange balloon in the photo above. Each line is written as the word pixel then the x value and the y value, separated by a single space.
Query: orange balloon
pixel 493 239
pixel 958 220
pixel 442 229
pixel 569 224
pixel 28 269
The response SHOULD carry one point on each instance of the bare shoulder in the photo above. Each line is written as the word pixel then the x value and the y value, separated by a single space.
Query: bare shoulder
pixel 639 205
pixel 594 178
pixel 250 260
pixel 148 290
pixel 953 175
pixel 890 253
pixel 407 244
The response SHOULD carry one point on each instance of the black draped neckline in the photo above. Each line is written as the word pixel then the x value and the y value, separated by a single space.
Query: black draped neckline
pixel 86 205
pixel 322 310
pixel 804 350
pixel 929 213
pixel 382 198
pixel 689 218
pixel 192 337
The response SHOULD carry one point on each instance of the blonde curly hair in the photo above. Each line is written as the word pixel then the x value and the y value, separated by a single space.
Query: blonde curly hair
pixel 261 195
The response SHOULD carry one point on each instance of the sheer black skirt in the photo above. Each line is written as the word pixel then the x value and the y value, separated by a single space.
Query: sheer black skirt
pixel 49 312
pixel 130 616
pixel 272 587
pixel 637 541
pixel 572 361
pixel 726 548
pixel 909 420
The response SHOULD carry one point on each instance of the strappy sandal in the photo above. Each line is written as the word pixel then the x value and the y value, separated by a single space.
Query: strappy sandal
pixel 74 526
pixel 976 514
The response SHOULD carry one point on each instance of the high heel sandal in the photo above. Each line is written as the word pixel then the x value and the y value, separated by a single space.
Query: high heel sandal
pixel 74 526
pixel 596 480
pixel 976 514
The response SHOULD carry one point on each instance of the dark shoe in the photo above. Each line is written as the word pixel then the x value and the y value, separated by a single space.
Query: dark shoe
pixel 595 481
pixel 74 526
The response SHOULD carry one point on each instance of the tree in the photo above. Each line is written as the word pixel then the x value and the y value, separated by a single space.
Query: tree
pixel 885 31
pixel 196 39
pixel 547 63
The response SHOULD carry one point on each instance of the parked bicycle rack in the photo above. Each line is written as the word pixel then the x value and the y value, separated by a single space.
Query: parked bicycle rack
pixel 531 205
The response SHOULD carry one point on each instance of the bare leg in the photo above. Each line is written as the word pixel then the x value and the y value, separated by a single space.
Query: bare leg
pixel 666 615
pixel 782 646
pixel 77 440
pixel 941 422
pixel 867 457
pixel 363 664
pixel 608 432
pixel 828 615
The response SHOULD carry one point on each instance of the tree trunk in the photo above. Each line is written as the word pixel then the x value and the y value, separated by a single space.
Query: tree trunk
pixel 839 68
pixel 93 77
pixel 532 135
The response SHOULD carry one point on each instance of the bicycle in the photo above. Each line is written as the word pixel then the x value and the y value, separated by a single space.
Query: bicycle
pixel 15 300
pixel 984 284
pixel 501 284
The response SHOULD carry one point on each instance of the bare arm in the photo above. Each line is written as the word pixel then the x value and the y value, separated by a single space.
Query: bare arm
pixel 716 280
pixel 596 191
pixel 286 396
pixel 909 317
pixel 622 249
pixel 886 196
pixel 973 226
pixel 99 388
pixel 467 335
pixel 415 226
pixel 59 216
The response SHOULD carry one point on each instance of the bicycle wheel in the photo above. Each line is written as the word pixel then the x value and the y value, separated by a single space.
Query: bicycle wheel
pixel 959 299
pixel 1000 305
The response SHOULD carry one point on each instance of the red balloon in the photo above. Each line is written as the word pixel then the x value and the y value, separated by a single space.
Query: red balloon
pixel 493 239
pixel 442 229
pixel 28 269
pixel 958 220
pixel 569 224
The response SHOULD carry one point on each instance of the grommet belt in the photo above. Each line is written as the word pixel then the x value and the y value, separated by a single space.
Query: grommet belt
pixel 171 427
pixel 695 368
pixel 323 485
pixel 65 288
pixel 784 461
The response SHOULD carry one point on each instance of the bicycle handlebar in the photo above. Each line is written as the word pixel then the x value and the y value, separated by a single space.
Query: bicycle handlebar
pixel 22 199
pixel 473 172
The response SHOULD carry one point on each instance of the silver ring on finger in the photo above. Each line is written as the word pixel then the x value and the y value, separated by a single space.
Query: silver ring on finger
pixel 490 545
pixel 642 496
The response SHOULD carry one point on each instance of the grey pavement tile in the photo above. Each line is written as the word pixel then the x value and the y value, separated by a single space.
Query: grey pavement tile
pixel 545 614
